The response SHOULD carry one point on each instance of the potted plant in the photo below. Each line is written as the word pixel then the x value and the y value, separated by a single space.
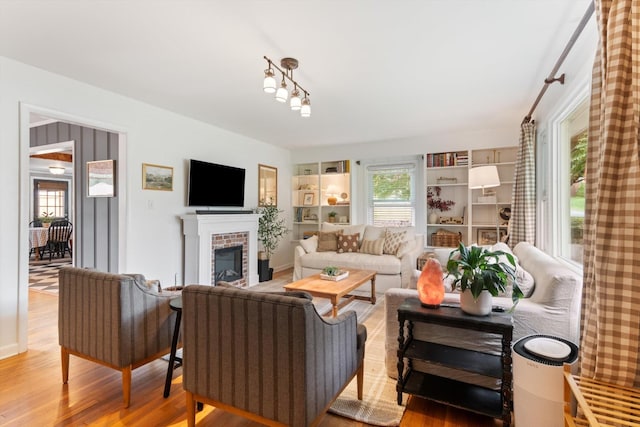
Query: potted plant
pixel 332 216
pixel 46 218
pixel 271 228
pixel 436 203
pixel 481 275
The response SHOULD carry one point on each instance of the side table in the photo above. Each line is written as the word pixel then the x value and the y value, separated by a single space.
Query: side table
pixel 495 403
pixel 174 361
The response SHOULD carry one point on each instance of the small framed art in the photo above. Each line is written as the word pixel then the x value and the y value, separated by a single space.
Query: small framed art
pixel 308 199
pixel 101 178
pixel 487 236
pixel 156 177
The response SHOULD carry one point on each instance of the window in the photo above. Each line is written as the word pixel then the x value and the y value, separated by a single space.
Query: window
pixel 567 210
pixel 50 198
pixel 391 194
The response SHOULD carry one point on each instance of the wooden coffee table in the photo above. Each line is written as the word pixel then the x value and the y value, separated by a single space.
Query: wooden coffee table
pixel 337 292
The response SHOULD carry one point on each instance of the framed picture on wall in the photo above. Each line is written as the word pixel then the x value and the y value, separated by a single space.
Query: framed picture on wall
pixel 156 177
pixel 101 178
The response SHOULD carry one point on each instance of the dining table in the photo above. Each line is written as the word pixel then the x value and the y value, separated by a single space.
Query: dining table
pixel 38 237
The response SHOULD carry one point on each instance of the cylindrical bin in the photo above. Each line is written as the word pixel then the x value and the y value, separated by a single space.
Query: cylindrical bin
pixel 538 396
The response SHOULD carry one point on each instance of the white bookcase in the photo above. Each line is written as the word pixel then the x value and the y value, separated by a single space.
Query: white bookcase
pixel 477 221
pixel 315 187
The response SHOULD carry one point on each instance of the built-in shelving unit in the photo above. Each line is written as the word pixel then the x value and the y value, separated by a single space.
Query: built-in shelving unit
pixel 477 221
pixel 319 189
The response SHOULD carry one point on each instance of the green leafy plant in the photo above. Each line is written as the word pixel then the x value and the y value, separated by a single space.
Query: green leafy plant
pixel 46 217
pixel 271 228
pixel 331 271
pixel 477 268
pixel 332 214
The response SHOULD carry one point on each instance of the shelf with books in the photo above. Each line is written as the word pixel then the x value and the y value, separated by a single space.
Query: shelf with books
pixel 444 172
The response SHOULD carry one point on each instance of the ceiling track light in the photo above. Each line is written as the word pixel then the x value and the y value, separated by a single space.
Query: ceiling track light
pixel 297 103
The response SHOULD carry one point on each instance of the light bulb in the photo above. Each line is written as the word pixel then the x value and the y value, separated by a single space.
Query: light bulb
pixel 295 102
pixel 269 84
pixel 282 94
pixel 305 110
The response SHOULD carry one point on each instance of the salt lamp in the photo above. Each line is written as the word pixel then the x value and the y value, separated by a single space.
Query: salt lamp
pixel 430 284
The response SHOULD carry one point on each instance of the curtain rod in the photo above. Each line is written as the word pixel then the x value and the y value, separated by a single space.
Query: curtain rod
pixel 552 79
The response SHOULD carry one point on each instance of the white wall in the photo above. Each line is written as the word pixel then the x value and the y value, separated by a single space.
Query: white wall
pixel 152 242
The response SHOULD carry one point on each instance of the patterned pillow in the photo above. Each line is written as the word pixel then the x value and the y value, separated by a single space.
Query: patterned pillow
pixel 328 241
pixel 348 243
pixel 372 247
pixel 392 241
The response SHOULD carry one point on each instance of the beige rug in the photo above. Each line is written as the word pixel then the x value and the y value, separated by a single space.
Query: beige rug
pixel 379 405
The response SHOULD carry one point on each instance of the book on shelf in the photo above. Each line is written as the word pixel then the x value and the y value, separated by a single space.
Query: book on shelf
pixel 435 160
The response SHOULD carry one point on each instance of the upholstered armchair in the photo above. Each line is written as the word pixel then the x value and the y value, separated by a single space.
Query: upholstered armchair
pixel 268 357
pixel 117 320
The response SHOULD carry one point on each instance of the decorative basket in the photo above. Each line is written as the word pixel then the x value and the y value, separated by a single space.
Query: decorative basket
pixel 446 239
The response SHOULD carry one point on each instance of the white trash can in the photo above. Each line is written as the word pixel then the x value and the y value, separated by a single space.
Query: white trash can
pixel 538 395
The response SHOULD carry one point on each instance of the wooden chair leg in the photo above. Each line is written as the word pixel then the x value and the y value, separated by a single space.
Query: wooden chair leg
pixel 191 409
pixel 360 379
pixel 126 385
pixel 64 357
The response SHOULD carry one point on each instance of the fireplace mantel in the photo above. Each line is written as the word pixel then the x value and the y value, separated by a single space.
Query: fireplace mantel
pixel 198 254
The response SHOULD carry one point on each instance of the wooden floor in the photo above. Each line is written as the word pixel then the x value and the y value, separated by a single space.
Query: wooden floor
pixel 32 393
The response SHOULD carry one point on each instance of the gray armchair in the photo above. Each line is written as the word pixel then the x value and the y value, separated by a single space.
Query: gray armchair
pixel 268 357
pixel 116 320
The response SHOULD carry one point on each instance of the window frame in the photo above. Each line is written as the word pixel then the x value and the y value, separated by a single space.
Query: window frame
pixel 555 165
pixel 369 170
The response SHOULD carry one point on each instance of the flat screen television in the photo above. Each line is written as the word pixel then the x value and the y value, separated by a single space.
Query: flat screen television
pixel 211 184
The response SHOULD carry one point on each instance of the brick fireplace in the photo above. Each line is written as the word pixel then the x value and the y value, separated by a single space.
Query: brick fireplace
pixel 206 233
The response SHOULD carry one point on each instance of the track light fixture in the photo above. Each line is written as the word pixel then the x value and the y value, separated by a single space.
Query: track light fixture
pixel 282 93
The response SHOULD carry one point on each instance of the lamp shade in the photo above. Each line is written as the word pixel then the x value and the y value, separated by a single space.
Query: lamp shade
pixel 484 177
pixel 282 93
pixel 305 110
pixel 269 84
pixel 296 101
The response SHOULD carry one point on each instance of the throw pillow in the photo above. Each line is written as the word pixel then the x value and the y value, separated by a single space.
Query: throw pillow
pixel 309 245
pixel 328 241
pixel 372 247
pixel 392 241
pixel 348 243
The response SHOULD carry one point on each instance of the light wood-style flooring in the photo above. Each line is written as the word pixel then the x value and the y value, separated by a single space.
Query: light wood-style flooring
pixel 32 393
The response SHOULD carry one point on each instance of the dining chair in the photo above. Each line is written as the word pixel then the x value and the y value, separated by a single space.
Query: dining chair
pixel 59 236
pixel 34 249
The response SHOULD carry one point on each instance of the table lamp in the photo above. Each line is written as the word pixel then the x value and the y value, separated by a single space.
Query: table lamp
pixel 332 190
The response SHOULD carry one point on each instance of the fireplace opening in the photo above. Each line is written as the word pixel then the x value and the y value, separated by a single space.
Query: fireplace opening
pixel 228 263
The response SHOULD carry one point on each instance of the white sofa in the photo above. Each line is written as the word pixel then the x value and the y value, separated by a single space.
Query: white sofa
pixel 553 308
pixel 393 270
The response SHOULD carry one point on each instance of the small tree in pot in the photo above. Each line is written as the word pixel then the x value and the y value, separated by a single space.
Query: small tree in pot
pixel 478 269
pixel 271 229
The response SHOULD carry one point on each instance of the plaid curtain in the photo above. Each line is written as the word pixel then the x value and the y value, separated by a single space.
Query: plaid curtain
pixel 611 296
pixel 522 225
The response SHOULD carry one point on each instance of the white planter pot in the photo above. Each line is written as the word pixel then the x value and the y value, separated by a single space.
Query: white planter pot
pixel 480 307
pixel 433 218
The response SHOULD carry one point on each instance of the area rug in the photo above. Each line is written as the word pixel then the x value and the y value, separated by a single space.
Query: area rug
pixel 43 275
pixel 379 403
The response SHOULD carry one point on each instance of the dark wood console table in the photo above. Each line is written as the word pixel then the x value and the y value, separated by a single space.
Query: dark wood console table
pixel 495 403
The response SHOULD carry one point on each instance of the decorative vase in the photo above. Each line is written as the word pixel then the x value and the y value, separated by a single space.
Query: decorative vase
pixel 331 200
pixel 433 218
pixel 430 285
pixel 477 307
